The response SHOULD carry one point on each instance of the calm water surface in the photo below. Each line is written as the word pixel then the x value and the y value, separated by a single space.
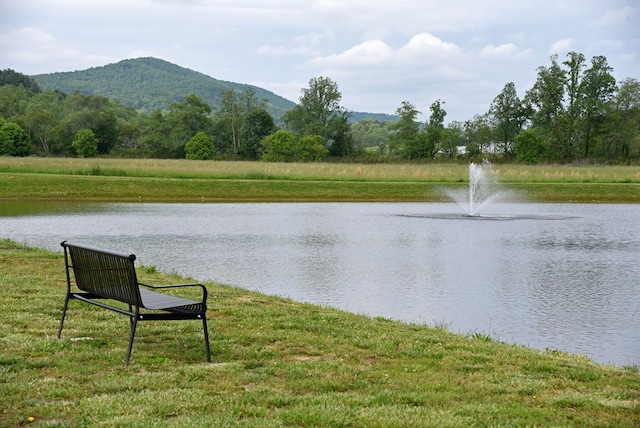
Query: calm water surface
pixel 558 276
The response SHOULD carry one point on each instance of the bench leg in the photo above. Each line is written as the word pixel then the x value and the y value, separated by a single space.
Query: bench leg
pixel 134 322
pixel 206 338
pixel 64 313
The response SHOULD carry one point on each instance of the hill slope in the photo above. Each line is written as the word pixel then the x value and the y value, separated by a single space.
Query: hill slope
pixel 149 84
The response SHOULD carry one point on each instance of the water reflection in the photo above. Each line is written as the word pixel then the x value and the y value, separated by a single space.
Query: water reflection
pixel 561 276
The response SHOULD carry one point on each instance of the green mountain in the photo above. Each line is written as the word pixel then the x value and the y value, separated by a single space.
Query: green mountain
pixel 149 84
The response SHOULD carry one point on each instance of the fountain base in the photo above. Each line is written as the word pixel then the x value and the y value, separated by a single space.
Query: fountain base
pixel 487 217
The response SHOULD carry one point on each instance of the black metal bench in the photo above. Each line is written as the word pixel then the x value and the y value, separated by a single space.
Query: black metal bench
pixel 107 275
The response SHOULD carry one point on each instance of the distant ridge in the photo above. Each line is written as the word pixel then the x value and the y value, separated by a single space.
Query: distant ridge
pixel 149 84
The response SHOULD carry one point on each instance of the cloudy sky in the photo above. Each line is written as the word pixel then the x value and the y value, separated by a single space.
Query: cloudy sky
pixel 380 53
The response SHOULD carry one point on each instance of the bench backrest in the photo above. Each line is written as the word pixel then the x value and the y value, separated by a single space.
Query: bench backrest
pixel 104 273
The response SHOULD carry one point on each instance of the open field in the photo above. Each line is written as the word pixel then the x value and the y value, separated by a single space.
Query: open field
pixel 183 180
pixel 277 363
pixel 448 173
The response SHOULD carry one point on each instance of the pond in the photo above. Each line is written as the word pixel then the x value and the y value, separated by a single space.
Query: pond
pixel 548 276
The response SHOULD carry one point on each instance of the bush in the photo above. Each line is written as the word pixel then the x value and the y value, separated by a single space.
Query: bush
pixel 282 146
pixel 14 141
pixel 279 147
pixel 311 149
pixel 85 143
pixel 199 147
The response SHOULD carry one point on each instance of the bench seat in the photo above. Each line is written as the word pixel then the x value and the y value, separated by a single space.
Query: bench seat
pixel 96 276
pixel 153 300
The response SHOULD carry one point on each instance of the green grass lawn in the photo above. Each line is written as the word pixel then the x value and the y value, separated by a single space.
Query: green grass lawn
pixel 276 363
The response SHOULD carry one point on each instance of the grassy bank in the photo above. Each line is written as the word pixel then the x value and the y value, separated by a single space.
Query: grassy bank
pixel 277 363
pixel 182 180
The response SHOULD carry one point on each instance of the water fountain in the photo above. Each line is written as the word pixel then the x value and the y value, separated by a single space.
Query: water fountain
pixel 482 190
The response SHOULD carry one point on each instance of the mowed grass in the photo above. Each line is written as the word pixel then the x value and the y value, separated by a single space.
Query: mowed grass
pixel 214 181
pixel 276 363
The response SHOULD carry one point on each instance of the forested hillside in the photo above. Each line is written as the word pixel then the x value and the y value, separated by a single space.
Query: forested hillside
pixel 149 84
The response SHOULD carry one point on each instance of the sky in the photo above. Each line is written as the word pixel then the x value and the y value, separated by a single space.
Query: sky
pixel 379 53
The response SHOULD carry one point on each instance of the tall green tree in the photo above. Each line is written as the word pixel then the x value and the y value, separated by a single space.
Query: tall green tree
pixel 478 135
pixel 597 90
pixel 257 124
pixel 570 108
pixel 319 113
pixel 407 137
pixel 242 122
pixel 622 140
pixel 546 103
pixel 572 116
pixel 42 116
pixel 506 110
pixel 435 126
pixel 231 112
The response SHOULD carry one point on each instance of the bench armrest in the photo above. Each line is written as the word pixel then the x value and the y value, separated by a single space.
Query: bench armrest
pixel 157 287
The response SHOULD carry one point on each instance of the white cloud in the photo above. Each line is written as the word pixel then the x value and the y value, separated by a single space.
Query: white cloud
pixel 37 49
pixel 44 43
pixel 561 46
pixel 428 44
pixel 371 52
pixel 377 52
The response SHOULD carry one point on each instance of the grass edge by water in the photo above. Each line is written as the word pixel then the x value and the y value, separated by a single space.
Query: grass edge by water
pixel 278 363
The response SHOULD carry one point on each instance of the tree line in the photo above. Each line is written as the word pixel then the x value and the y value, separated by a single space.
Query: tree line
pixel 574 112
